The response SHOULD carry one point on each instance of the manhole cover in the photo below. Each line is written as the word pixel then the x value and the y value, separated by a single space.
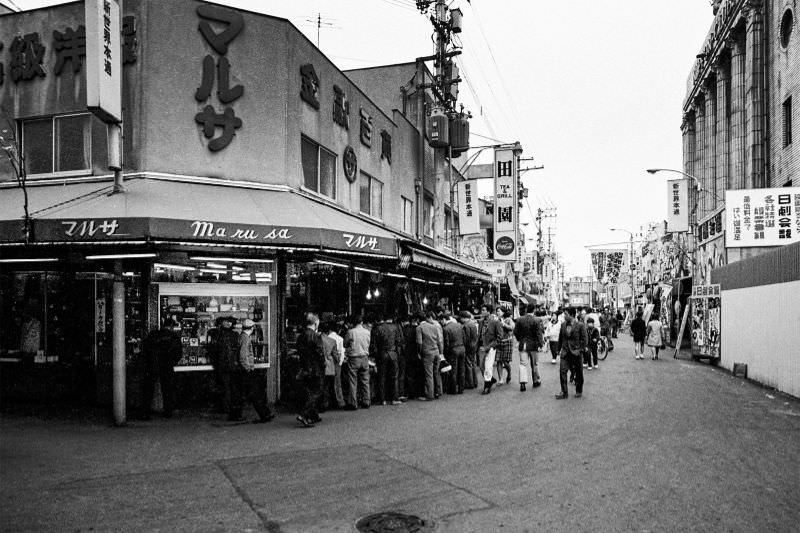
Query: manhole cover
pixel 393 523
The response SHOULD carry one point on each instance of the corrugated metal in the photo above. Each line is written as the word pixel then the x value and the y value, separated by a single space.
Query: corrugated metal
pixel 779 266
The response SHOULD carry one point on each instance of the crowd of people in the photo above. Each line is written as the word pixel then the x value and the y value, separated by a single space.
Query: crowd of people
pixel 356 363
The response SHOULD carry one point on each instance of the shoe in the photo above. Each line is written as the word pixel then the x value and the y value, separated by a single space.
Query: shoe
pixel 553 362
pixel 585 365
pixel 403 398
pixel 350 407
pixel 264 420
pixel 446 368
pixel 422 399
pixel 590 367
pixel 384 403
pixel 364 406
pixel 305 422
pixel 508 378
pixel 315 420
pixel 537 384
pixel 522 387
pixel 493 380
pixel 397 402
pixel 561 396
pixel 437 396
pixel 578 394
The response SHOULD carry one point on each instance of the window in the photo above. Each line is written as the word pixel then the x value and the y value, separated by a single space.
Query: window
pixel 427 215
pixel 787 23
pixel 319 168
pixel 408 215
pixel 370 196
pixel 787 122
pixel 57 144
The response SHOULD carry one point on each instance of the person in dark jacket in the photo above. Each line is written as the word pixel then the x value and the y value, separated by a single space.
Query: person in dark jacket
pixel 572 343
pixel 311 352
pixel 226 364
pixel 161 352
pixel 528 332
pixel 414 372
pixel 639 332
pixel 470 349
pixel 490 334
pixel 252 382
pixel 455 353
pixel 386 343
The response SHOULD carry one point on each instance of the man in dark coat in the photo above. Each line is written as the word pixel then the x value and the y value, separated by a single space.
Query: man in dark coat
pixel 528 332
pixel 386 344
pixel 250 380
pixel 490 334
pixel 311 352
pixel 161 352
pixel 572 343
pixel 470 348
pixel 454 352
pixel 226 364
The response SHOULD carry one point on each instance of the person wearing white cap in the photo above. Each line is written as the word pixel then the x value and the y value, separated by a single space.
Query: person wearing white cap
pixel 252 380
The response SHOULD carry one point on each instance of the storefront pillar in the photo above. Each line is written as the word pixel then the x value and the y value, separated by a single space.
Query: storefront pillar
pixel 118 357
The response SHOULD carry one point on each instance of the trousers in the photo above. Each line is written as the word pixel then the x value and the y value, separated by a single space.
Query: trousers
pixel 386 389
pixel 571 362
pixel 433 379
pixel 358 372
pixel 488 364
pixel 533 358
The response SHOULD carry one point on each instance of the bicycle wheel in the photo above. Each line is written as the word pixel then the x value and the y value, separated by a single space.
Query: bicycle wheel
pixel 602 350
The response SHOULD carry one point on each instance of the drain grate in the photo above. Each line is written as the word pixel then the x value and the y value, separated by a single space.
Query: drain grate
pixel 392 522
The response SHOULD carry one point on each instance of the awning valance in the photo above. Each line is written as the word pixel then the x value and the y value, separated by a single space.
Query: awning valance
pixel 177 211
pixel 445 264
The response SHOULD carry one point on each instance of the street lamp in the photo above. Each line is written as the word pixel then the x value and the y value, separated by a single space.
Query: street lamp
pixel 630 262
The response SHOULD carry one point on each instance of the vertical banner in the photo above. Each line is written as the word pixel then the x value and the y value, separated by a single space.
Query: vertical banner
pixel 677 206
pixel 505 221
pixel 103 59
pixel 468 212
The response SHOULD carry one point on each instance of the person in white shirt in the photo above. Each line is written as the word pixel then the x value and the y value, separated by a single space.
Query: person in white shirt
pixel 333 386
pixel 552 329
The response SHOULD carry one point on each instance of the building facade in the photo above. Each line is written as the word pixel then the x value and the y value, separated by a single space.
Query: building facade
pixel 259 182
pixel 738 116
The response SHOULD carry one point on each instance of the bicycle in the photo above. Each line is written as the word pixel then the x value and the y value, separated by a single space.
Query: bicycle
pixel 604 346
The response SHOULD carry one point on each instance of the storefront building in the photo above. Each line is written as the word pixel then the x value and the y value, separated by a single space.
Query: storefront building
pixel 259 182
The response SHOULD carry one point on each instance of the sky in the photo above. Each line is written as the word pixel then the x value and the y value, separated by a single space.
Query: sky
pixel 592 90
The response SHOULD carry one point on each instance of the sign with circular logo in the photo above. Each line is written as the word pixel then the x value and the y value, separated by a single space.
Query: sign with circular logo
pixel 504 246
pixel 350 164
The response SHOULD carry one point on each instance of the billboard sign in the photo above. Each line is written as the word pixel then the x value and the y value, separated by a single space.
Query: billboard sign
pixel 468 212
pixel 504 221
pixel 103 59
pixel 762 217
pixel 677 206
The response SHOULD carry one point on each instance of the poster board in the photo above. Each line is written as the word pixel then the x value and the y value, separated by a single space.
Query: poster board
pixel 706 305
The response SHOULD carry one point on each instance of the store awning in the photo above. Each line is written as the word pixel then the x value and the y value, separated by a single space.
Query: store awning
pixel 444 263
pixel 155 209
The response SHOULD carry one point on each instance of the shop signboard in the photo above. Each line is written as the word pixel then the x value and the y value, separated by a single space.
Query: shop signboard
pixel 133 228
pixel 103 59
pixel 677 206
pixel 468 208
pixel 504 221
pixel 496 268
pixel 762 217
pixel 706 314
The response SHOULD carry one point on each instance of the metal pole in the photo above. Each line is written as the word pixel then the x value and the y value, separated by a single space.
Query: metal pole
pixel 420 181
pixel 118 334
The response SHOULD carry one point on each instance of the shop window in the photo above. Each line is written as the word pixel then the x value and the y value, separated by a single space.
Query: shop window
pixel 787 122
pixel 370 196
pixel 57 144
pixel 427 215
pixel 319 168
pixel 408 215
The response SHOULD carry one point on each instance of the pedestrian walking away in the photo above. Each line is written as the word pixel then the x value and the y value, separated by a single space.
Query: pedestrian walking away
pixel 332 385
pixel 471 349
pixel 455 352
pixel 356 346
pixel 572 344
pixel 311 351
pixel 638 331
pixel 386 343
pixel 162 350
pixel 252 381
pixel 528 332
pixel 654 335
pixel 226 352
pixel 431 347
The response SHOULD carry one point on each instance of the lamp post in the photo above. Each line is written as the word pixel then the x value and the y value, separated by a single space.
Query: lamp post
pixel 630 263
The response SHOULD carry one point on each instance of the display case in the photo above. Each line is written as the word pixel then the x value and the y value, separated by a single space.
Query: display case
pixel 199 309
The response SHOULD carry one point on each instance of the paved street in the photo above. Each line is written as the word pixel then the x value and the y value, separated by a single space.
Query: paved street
pixel 669 445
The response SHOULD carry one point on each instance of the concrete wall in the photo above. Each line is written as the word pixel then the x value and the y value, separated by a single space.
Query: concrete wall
pixel 761 328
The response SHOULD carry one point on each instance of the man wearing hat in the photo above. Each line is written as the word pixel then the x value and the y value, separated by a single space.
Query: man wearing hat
pixel 251 379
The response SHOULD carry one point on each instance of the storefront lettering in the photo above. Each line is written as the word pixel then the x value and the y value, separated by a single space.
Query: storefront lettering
pixel 341 108
pixel 88 228
pixel 204 229
pixel 309 85
pixel 209 118
pixel 69 46
pixel 27 56
pixel 361 241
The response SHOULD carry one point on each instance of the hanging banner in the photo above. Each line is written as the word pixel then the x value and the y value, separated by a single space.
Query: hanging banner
pixel 468 212
pixel 677 206
pixel 762 217
pixel 505 221
pixel 607 264
pixel 103 59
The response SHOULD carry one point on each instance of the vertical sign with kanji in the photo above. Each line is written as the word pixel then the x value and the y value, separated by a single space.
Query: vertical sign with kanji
pixel 762 217
pixel 468 213
pixel 677 206
pixel 505 222
pixel 103 59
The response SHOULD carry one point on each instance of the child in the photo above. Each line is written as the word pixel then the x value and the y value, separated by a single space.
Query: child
pixel 593 334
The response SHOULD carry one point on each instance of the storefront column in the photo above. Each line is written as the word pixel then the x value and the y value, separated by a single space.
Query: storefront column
pixel 721 183
pixel 118 357
pixel 738 120
pixel 708 201
pixel 700 148
pixel 754 80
